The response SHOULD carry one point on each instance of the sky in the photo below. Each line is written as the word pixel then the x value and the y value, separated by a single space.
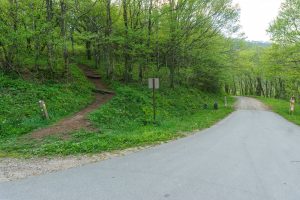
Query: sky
pixel 256 15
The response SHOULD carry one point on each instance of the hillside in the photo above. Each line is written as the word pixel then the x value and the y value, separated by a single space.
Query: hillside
pixel 20 111
pixel 42 43
pixel 125 121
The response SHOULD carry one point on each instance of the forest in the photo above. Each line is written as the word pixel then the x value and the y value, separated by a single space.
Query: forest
pixel 271 70
pixel 185 42
pixel 196 49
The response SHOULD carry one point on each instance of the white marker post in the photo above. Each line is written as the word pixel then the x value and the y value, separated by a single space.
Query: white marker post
pixel 44 109
pixel 226 102
pixel 153 84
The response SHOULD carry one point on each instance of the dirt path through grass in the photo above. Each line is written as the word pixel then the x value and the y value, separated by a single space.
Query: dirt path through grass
pixel 79 120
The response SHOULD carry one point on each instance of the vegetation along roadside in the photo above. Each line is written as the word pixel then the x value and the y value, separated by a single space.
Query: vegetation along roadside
pixel 126 121
pixel 282 107
pixel 189 45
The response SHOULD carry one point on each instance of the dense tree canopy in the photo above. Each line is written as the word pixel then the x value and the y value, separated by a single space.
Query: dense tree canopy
pixel 186 42
pixel 182 41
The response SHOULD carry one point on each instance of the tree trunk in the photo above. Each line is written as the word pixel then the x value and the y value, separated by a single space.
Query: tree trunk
pixel 148 39
pixel 127 65
pixel 49 8
pixel 259 89
pixel 97 55
pixel 10 53
pixel 140 73
pixel 109 63
pixel 172 42
pixel 63 9
pixel 88 50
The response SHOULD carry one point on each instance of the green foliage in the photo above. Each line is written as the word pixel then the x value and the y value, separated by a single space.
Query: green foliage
pixel 185 39
pixel 285 28
pixel 126 121
pixel 132 107
pixel 185 43
pixel 19 108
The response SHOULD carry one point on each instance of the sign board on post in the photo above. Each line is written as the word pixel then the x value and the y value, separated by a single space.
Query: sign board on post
pixel 153 84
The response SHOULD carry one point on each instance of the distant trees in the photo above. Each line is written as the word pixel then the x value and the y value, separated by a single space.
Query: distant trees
pixel 270 70
pixel 186 40
pixel 261 71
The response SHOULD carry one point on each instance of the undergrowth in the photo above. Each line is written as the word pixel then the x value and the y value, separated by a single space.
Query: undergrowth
pixel 19 108
pixel 127 121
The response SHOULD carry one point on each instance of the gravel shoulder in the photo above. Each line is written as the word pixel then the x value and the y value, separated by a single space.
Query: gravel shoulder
pixel 16 168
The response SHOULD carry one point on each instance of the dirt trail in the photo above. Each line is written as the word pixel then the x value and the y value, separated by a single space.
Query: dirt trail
pixel 247 103
pixel 79 120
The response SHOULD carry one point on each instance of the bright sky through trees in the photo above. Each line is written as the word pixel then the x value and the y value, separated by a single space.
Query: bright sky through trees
pixel 256 16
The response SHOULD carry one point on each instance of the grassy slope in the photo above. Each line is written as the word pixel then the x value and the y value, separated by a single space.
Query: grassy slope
pixel 282 108
pixel 126 122
pixel 19 109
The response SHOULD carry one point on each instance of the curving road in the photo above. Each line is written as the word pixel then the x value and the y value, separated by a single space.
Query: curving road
pixel 252 154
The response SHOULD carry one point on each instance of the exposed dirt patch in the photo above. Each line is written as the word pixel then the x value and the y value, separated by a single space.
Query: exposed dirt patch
pixel 79 120
pixel 247 103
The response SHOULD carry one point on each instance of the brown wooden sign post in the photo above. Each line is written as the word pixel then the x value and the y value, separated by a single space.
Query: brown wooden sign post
pixel 153 84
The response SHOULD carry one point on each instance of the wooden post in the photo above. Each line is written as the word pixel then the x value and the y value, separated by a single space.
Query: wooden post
pixel 154 107
pixel 153 83
pixel 44 109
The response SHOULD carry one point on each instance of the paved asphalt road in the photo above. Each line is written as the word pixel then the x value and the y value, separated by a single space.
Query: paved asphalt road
pixel 252 154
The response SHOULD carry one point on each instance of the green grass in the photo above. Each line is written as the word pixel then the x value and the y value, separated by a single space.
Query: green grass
pixel 126 121
pixel 282 108
pixel 19 108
